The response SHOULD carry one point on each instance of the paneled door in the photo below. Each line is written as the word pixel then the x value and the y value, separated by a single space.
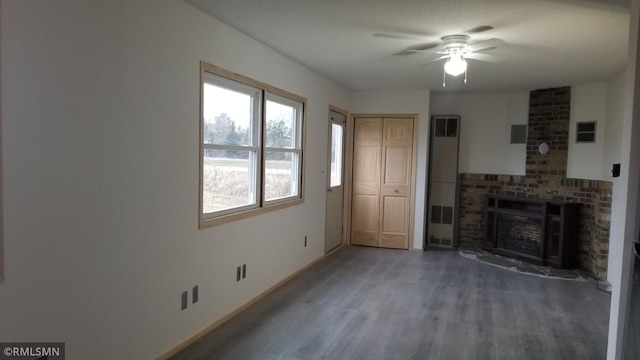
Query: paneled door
pixel 335 183
pixel 382 182
pixel 365 205
pixel 395 187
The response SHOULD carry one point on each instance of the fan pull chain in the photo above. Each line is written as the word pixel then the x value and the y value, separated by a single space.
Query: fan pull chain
pixel 465 77
pixel 444 78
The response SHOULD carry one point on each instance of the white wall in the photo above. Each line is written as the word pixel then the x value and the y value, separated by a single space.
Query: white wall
pixel 612 154
pixel 100 111
pixel 625 202
pixel 613 126
pixel 485 130
pixel 517 114
pixel 404 102
pixel 588 103
pixel 616 108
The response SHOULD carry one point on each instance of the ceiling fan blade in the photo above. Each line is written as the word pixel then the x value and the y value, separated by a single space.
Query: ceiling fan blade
pixel 396 36
pixel 479 29
pixel 484 45
pixel 404 53
pixel 434 60
pixel 485 57
pixel 422 47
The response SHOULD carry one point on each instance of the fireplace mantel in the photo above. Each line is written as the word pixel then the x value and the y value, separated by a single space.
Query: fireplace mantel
pixel 539 231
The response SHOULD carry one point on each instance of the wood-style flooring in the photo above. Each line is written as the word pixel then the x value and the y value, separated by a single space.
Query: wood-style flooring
pixel 369 303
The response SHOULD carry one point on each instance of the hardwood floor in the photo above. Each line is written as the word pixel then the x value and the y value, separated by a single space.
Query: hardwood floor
pixel 369 303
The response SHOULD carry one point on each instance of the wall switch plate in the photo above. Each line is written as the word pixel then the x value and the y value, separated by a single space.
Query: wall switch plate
pixel 244 271
pixel 615 172
pixel 184 301
pixel 238 273
pixel 194 295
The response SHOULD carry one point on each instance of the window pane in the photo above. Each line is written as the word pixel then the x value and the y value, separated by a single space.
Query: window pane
pixel 227 116
pixel 228 179
pixel 281 125
pixel 336 155
pixel 280 174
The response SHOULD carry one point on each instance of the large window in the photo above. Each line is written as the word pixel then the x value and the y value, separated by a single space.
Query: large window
pixel 251 147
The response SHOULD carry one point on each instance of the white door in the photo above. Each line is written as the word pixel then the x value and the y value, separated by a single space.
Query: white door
pixel 335 186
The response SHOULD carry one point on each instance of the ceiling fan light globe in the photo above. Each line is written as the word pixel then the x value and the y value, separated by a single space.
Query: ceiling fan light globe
pixel 455 66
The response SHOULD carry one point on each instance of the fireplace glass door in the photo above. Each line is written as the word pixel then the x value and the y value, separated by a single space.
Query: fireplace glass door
pixel 520 234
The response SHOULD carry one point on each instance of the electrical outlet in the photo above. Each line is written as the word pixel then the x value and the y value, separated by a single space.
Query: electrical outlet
pixel 305 241
pixel 244 271
pixel 184 300
pixel 238 273
pixel 194 295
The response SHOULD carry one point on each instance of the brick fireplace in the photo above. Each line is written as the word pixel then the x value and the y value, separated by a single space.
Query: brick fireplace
pixel 549 111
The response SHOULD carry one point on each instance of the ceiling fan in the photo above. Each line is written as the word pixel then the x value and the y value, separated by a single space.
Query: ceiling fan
pixel 455 48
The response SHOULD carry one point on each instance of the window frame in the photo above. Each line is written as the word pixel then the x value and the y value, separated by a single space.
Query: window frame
pixel 261 206
pixel 255 147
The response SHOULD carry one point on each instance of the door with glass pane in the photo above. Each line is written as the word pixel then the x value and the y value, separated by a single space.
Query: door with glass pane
pixel 335 186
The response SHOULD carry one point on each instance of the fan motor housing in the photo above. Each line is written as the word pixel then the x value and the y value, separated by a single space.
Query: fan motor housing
pixel 455 41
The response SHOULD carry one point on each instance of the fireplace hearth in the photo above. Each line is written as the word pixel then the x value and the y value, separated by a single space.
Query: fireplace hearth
pixel 534 230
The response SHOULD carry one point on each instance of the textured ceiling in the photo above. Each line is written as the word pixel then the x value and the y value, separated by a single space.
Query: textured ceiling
pixel 547 43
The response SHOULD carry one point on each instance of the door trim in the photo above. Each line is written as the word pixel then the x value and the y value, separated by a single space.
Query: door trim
pixel 348 189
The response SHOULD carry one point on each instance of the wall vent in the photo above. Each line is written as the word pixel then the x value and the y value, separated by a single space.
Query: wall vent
pixel 447 215
pixel 436 214
pixel 586 132
pixel 519 134
pixel 446 127
pixel 441 214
